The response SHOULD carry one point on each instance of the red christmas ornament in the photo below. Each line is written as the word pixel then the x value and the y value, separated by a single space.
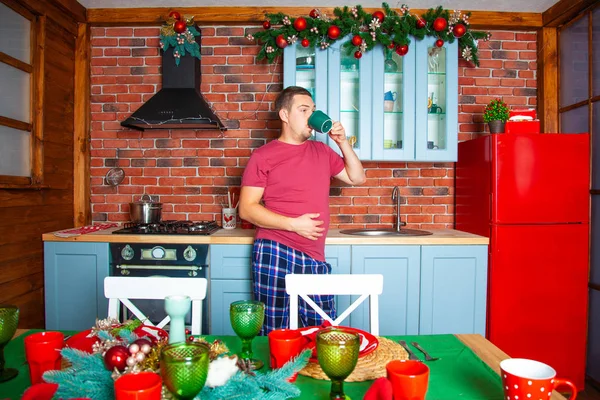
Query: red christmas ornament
pixel 175 15
pixel 188 331
pixel 357 54
pixel 391 46
pixel 379 15
pixel 333 32
pixel 140 342
pixel 459 30
pixel 179 26
pixel 356 40
pixel 281 42
pixel 439 24
pixel 116 357
pixel 421 23
pixel 313 13
pixel 305 42
pixel 190 338
pixel 439 43
pixel 266 25
pixel 300 24
pixel 402 49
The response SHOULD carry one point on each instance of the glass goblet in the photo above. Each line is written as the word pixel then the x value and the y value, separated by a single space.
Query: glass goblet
pixel 184 368
pixel 337 352
pixel 9 319
pixel 247 318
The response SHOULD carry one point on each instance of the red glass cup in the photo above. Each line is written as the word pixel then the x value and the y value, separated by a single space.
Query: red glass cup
pixel 284 344
pixel 42 351
pixel 530 379
pixel 140 386
pixel 410 379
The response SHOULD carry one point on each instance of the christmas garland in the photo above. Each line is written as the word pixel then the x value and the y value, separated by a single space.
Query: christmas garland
pixel 388 28
pixel 179 32
pixel 119 350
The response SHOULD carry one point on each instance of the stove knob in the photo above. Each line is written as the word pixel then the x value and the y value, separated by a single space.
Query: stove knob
pixel 158 252
pixel 127 253
pixel 189 253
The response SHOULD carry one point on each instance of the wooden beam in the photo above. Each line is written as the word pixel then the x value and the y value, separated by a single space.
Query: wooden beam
pixel 50 10
pixel 73 8
pixel 15 124
pixel 37 112
pixel 15 62
pixel 239 15
pixel 547 68
pixel 81 152
pixel 564 11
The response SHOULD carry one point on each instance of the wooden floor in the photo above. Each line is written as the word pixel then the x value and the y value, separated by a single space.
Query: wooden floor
pixel 590 393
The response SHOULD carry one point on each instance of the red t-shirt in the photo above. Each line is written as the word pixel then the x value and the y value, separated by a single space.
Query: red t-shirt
pixel 296 179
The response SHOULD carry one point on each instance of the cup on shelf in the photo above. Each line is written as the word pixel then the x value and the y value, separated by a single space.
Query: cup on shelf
pixel 431 145
pixel 389 95
pixel 435 109
pixel 228 220
pixel 387 143
pixel 42 351
pixel 388 105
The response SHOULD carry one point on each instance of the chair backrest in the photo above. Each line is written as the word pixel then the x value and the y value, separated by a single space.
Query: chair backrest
pixel 122 289
pixel 366 285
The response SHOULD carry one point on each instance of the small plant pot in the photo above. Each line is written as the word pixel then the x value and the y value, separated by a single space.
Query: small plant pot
pixel 496 126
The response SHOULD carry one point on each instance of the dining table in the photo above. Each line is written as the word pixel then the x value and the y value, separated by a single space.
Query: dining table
pixel 468 367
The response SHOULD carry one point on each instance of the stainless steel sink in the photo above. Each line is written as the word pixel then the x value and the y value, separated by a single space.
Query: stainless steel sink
pixel 385 232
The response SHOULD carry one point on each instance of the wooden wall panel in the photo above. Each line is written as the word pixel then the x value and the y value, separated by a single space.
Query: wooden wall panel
pixel 26 214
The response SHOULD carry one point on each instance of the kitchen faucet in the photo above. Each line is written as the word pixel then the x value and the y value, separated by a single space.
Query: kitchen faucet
pixel 396 198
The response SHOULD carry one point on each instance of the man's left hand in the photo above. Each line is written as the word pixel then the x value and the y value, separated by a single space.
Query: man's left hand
pixel 337 133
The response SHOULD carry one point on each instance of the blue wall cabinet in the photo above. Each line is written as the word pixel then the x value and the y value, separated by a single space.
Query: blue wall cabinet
pixel 74 284
pixel 399 302
pixel 453 289
pixel 382 99
pixel 436 99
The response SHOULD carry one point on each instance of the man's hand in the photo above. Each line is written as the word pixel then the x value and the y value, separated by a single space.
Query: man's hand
pixel 307 226
pixel 337 133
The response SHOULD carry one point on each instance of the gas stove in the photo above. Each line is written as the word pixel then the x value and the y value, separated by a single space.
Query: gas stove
pixel 170 228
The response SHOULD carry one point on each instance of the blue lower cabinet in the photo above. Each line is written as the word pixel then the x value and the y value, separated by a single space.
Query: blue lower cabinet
pixel 339 258
pixel 74 284
pixel 229 261
pixel 453 289
pixel 223 292
pixel 399 302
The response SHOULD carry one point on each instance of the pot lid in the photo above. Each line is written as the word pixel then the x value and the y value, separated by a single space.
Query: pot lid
pixel 146 199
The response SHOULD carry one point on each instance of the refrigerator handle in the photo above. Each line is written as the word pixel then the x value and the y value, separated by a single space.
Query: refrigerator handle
pixel 490 208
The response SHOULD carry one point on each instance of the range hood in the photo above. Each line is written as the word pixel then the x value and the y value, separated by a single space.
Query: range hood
pixel 179 104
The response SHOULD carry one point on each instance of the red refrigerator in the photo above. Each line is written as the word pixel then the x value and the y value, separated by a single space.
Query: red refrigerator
pixel 529 193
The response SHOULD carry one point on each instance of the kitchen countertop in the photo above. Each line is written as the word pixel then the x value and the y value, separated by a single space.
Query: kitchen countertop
pixel 246 236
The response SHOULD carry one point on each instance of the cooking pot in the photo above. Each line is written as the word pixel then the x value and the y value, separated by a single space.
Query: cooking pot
pixel 145 211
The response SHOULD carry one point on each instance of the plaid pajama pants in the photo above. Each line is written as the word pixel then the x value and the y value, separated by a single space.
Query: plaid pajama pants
pixel 271 261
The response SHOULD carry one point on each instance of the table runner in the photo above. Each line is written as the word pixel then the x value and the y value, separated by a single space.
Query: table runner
pixel 459 374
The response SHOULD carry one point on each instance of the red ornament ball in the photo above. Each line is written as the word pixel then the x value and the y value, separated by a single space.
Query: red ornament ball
pixel 379 15
pixel 357 54
pixel 175 15
pixel 188 331
pixel 333 32
pixel 391 46
pixel 300 24
pixel 179 26
pixel 142 341
pixel 266 25
pixel 459 30
pixel 439 24
pixel 439 43
pixel 421 23
pixel 281 42
pixel 402 49
pixel 305 42
pixel 190 338
pixel 313 13
pixel 116 357
pixel 356 40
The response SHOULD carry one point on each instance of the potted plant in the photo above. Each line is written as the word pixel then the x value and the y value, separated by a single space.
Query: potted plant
pixel 496 114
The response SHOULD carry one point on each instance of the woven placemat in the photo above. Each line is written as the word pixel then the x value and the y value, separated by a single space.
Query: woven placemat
pixel 369 367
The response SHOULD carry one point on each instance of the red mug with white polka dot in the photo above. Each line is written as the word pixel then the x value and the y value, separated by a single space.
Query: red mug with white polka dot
pixel 524 379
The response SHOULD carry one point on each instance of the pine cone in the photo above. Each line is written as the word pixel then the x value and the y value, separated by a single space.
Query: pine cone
pixel 246 366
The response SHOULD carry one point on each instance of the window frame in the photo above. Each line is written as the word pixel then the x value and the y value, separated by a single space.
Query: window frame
pixel 35 127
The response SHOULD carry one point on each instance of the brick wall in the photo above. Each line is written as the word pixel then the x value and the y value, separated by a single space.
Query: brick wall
pixel 190 171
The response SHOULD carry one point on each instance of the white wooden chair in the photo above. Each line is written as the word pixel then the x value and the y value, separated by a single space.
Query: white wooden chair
pixel 121 289
pixel 365 285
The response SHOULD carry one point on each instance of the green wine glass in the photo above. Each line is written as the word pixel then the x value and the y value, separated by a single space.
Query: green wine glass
pixel 184 368
pixel 9 319
pixel 337 352
pixel 247 318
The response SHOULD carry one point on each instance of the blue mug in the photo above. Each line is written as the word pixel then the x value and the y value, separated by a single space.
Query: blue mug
pixel 389 96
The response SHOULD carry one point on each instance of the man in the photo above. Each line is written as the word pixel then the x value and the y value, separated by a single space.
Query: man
pixel 285 193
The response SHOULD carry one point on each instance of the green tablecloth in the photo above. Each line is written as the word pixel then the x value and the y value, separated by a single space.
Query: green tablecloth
pixel 458 374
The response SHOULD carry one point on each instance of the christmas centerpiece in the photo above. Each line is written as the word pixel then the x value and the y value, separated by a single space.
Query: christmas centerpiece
pixel 119 349
pixel 496 114
pixel 388 28
pixel 179 33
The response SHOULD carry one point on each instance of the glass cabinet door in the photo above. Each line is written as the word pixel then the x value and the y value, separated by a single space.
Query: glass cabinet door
pixel 349 99
pixel 393 105
pixel 436 101
pixel 307 68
